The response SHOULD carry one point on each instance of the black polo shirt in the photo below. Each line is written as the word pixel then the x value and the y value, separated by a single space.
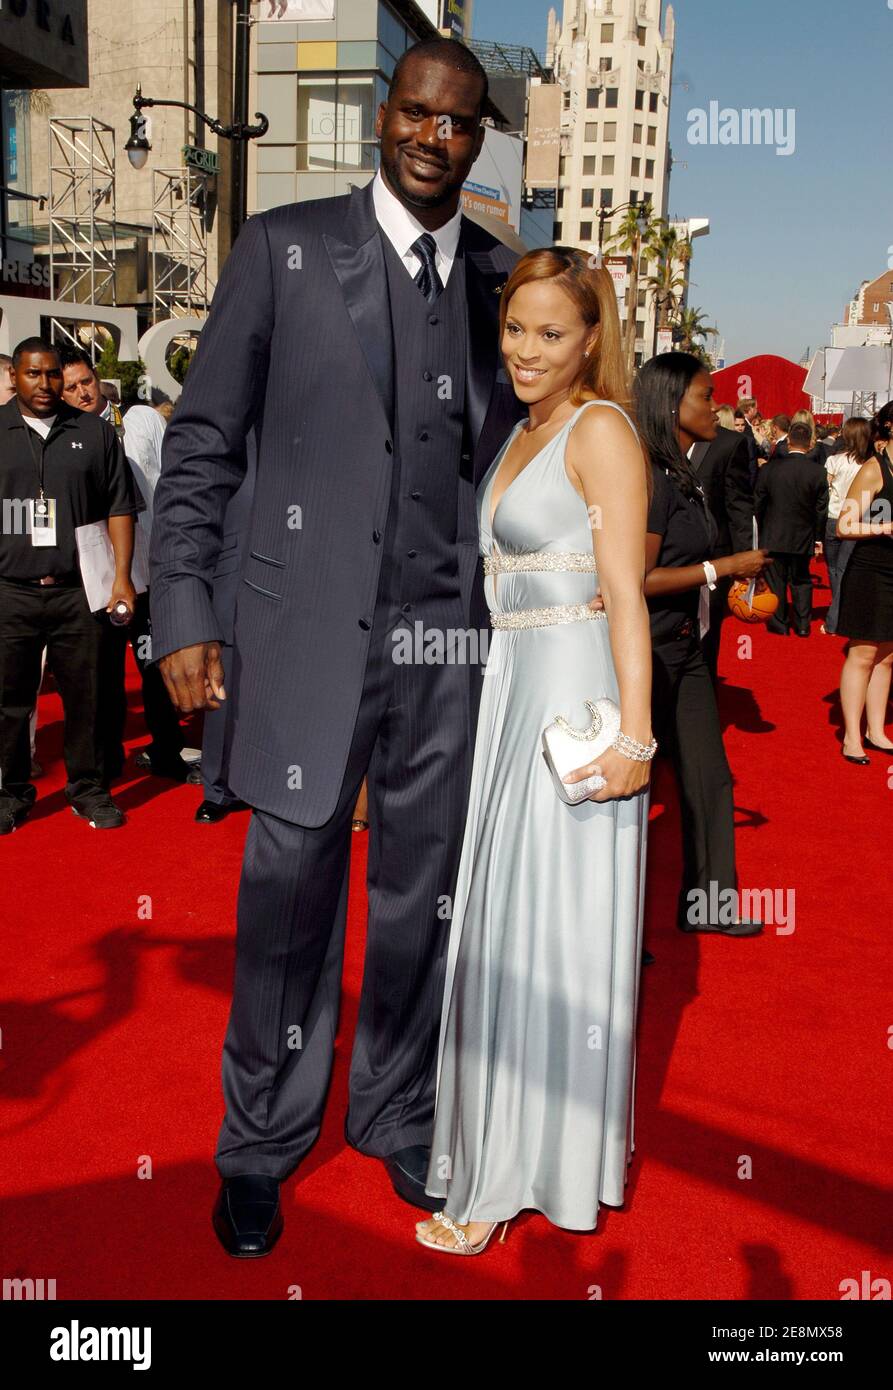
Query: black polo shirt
pixel 85 471
pixel 688 535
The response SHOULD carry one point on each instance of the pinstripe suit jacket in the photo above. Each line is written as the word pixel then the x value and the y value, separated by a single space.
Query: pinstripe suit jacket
pixel 298 345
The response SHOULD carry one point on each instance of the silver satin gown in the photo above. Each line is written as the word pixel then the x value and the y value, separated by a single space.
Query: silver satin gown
pixel 536 1060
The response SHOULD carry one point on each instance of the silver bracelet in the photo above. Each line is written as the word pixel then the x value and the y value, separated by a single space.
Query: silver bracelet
pixel 639 752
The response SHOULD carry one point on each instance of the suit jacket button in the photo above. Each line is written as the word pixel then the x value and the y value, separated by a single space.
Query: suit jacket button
pixel 433 320
pixel 412 554
pixel 415 496
pixel 407 608
pixel 365 624
pixel 426 376
pixel 376 536
pixel 423 437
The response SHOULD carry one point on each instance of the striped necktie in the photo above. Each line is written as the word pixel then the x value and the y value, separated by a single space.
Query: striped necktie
pixel 427 278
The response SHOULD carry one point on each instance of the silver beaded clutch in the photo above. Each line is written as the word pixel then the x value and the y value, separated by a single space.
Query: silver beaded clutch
pixel 567 748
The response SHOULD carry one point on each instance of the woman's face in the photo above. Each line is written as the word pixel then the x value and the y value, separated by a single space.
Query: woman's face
pixel 544 341
pixel 697 417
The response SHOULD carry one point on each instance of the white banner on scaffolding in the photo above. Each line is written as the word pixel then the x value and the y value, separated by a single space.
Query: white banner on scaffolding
pixel 294 10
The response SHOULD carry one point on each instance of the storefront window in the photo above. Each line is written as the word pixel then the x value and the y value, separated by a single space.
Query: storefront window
pixel 336 123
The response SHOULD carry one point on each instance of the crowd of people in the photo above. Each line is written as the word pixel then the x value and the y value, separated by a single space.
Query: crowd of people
pixel 612 519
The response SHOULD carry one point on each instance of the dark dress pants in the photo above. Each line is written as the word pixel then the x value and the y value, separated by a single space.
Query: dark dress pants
pixel 55 617
pixel 411 742
pixel 161 718
pixel 686 724
pixel 719 611
pixel 792 571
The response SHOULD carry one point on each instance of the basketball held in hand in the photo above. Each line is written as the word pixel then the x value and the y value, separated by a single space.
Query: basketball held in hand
pixel 764 604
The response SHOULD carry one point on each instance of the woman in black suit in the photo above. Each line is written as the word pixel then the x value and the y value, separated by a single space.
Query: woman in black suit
pixel 674 409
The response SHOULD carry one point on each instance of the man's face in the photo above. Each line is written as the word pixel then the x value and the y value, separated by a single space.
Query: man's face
pixel 81 389
pixel 38 379
pixel 751 413
pixel 7 384
pixel 430 133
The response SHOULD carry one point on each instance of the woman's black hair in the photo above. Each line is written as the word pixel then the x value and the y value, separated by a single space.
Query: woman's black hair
pixel 882 424
pixel 659 387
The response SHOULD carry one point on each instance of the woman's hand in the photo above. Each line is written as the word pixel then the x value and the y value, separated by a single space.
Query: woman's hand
pixel 747 564
pixel 623 776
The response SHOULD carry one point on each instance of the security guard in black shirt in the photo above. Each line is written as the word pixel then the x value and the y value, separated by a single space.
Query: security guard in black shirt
pixel 59 469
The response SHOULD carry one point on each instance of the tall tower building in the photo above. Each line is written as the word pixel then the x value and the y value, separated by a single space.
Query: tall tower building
pixel 614 63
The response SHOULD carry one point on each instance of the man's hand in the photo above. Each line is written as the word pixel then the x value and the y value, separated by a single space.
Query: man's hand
pixel 194 677
pixel 122 592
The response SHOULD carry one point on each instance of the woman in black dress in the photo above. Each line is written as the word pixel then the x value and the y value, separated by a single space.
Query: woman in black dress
pixel 674 410
pixel 866 597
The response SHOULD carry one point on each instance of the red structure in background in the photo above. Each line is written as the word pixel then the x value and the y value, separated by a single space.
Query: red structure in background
pixel 775 383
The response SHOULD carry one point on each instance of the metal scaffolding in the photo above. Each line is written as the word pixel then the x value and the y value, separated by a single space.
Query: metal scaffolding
pixel 82 216
pixel 179 243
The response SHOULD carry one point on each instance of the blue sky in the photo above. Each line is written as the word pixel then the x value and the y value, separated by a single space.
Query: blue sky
pixel 791 237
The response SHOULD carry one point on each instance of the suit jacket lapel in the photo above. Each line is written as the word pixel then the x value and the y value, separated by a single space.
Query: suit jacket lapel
pixel 358 262
pixel 699 453
pixel 482 286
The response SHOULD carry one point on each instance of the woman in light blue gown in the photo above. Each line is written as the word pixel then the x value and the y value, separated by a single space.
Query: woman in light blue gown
pixel 536 1060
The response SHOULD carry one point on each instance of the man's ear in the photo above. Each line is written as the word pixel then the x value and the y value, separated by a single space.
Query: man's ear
pixel 379 119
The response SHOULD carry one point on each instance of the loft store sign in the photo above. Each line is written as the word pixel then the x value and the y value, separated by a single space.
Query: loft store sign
pixel 42 13
pixel 20 317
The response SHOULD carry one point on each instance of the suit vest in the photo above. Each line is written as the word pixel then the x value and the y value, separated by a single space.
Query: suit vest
pixel 419 563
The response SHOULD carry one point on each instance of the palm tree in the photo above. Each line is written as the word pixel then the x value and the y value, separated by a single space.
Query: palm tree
pixel 630 237
pixel 689 324
pixel 667 285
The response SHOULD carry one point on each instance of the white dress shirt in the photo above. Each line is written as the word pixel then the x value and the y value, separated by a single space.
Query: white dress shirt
pixel 841 470
pixel 402 229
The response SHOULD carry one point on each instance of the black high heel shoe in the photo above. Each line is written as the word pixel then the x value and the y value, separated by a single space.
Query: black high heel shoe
pixel 860 762
pixel 878 748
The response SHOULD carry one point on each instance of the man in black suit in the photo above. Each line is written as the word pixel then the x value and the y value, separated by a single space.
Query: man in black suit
pixel 358 335
pixel 723 469
pixel 791 501
pixel 747 410
pixel 781 425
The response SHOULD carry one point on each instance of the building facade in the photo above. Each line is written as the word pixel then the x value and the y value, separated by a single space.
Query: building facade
pixel 614 64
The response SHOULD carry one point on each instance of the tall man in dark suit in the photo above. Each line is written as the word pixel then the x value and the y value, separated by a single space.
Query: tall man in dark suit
pixel 219 800
pixel 365 329
pixel 723 469
pixel 791 502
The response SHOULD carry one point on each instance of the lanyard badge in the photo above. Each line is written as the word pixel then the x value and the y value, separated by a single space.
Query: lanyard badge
pixel 42 516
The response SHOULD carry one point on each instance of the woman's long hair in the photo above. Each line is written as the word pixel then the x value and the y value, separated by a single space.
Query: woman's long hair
pixel 806 417
pixel 882 425
pixel 857 439
pixel 659 388
pixel 602 374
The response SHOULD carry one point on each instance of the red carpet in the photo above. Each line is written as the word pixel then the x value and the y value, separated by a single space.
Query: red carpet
pixel 117 959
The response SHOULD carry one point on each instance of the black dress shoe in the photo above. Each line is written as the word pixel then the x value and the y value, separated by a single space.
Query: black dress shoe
pixel 780 629
pixel 212 812
pixel 802 631
pixel 407 1170
pixel 247 1215
pixel 174 768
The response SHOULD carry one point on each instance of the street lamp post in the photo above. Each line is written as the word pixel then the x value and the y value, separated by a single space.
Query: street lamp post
pixel 240 131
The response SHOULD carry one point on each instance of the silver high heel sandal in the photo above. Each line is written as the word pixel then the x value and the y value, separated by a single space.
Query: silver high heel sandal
pixel 463 1245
